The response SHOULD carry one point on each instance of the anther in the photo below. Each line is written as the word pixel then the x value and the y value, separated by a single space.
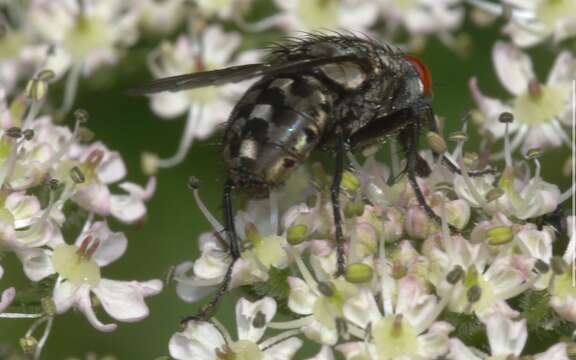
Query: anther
pixel 458 136
pixel 558 265
pixel 28 344
pixel 436 143
pixel 14 132
pixel 46 75
pixel 48 306
pixel 397 326
pixel 297 234
pixel 500 235
pixel 358 273
pixel 474 294
pixel 28 134
pixel 193 183
pixel 77 175
pixel 506 118
pixel 541 267
pixel 455 275
pixel 533 154
pixel 81 116
pixel 494 194
pixel 326 288
pixel 534 89
pixel 259 320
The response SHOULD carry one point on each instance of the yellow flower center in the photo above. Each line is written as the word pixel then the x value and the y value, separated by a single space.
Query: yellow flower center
pixel 318 14
pixel 240 350
pixel 87 35
pixel 550 11
pixel 10 44
pixel 541 106
pixel 394 337
pixel 75 264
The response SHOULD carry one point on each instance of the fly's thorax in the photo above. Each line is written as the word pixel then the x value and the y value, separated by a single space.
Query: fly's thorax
pixel 274 128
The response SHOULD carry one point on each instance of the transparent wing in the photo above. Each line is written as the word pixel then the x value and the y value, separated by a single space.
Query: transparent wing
pixel 234 74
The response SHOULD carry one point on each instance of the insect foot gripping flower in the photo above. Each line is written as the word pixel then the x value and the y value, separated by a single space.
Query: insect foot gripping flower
pixel 541 110
pixel 206 108
pixel 78 270
pixel 206 340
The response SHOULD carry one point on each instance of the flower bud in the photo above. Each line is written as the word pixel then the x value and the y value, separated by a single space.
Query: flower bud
pixel 417 223
pixel 297 234
pixel 500 235
pixel 353 209
pixel 350 182
pixel 36 89
pixel 358 273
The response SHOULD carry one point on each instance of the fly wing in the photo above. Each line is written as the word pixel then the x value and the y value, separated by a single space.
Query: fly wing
pixel 235 74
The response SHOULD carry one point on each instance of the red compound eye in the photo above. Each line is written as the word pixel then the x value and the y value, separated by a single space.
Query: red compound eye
pixel 423 72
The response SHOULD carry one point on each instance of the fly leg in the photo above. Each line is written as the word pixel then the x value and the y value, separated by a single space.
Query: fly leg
pixel 409 138
pixel 234 247
pixel 335 197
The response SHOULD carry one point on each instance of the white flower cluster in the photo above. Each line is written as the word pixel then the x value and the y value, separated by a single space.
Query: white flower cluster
pixel 53 176
pixel 412 289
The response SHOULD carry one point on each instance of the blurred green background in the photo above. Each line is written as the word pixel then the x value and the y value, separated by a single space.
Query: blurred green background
pixel 169 234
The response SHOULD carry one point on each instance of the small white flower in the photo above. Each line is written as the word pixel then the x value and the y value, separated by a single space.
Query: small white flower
pixel 79 273
pixel 309 15
pixel 540 110
pixel 224 9
pixel 202 340
pixel 160 17
pixel 507 338
pixel 423 17
pixel 207 107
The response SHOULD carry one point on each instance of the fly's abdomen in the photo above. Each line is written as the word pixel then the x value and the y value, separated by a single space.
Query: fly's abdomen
pixel 274 128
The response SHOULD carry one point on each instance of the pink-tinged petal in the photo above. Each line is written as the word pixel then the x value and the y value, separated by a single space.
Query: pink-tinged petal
pixel 64 295
pixel 459 351
pixel 556 352
pixel 514 68
pixel 6 299
pixel 112 167
pixel 353 350
pixel 94 196
pixel 283 350
pixel 199 340
pixel 85 306
pixel 112 245
pixel 362 309
pixel 170 105
pixel 491 109
pixel 543 136
pixel 127 208
pixel 247 311
pixel 122 300
pixel 564 68
pixel 506 337
pixel 36 262
pixel 23 207
pixel 301 299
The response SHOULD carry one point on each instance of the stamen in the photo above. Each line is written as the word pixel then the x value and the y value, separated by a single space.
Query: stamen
pixel 193 184
pixel 222 329
pixel 308 278
pixel 472 188
pixel 44 338
pixel 194 116
pixel 274 223
pixel 71 88
pixel 277 339
pixel 507 118
pixel 291 324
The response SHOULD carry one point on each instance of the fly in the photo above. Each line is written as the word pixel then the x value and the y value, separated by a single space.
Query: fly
pixel 319 92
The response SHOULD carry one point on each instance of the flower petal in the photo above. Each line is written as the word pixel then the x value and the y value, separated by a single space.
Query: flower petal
pixel 199 340
pixel 85 306
pixel 124 300
pixel 247 311
pixel 514 68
